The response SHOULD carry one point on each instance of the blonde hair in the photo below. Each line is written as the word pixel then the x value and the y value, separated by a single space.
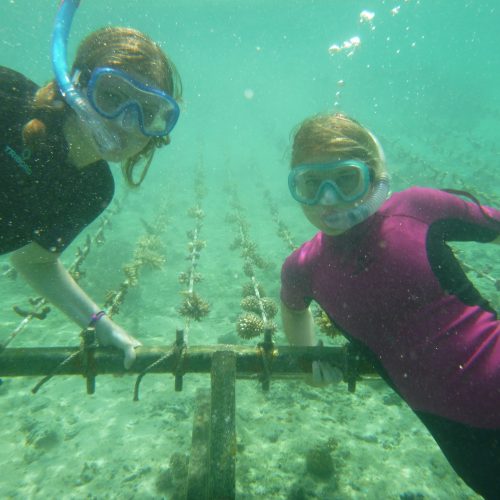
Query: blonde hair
pixel 123 48
pixel 339 136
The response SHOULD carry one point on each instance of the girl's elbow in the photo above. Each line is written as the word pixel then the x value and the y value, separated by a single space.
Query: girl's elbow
pixel 31 255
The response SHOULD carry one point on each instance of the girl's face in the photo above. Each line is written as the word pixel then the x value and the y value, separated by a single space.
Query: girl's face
pixel 318 214
pixel 131 139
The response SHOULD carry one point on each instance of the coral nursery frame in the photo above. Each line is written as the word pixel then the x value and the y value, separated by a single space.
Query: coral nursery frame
pixel 211 470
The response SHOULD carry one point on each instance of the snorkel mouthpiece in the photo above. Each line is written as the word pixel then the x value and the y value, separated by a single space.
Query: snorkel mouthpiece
pixel 106 141
pixel 344 220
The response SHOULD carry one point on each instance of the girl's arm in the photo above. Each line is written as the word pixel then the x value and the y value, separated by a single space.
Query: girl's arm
pixel 298 326
pixel 48 277
pixel 45 273
pixel 299 330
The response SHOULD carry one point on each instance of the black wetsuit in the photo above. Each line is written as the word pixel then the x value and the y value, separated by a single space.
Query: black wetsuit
pixel 43 198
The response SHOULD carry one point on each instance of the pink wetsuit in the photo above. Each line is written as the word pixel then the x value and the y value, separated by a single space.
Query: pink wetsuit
pixel 392 283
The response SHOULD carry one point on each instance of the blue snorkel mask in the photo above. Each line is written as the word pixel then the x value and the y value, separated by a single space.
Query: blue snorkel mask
pixel 117 96
pixel 113 97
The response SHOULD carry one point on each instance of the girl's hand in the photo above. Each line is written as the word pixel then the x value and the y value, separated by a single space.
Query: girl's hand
pixel 109 333
pixel 324 374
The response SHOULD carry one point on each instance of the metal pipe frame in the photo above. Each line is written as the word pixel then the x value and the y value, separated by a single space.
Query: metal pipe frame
pixel 283 361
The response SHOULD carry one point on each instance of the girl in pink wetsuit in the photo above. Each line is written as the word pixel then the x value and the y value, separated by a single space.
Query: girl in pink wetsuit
pixel 381 269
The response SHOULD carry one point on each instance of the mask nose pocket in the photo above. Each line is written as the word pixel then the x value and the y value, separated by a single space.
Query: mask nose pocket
pixel 129 120
pixel 329 195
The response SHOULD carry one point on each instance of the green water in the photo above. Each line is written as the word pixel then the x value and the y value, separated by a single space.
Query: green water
pixel 424 79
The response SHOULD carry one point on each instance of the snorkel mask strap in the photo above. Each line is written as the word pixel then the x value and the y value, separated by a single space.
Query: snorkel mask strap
pixel 105 139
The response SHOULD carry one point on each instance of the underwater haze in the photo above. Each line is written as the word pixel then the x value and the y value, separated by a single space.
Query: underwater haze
pixel 421 74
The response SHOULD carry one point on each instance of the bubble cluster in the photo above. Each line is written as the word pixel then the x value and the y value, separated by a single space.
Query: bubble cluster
pixel 367 16
pixel 348 46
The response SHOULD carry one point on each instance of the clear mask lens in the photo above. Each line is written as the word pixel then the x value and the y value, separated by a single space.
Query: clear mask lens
pixel 329 183
pixel 112 93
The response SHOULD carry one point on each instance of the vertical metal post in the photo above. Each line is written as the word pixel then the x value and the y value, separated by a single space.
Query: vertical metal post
pixel 88 361
pixel 222 427
pixel 179 346
pixel 351 368
pixel 197 483
pixel 267 349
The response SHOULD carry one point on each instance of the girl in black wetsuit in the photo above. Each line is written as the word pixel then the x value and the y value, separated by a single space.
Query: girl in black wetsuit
pixel 55 175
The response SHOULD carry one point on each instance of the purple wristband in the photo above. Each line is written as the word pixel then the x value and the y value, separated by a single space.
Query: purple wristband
pixel 95 318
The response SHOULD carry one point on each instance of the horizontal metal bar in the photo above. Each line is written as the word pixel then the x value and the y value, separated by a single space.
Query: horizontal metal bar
pixel 285 360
